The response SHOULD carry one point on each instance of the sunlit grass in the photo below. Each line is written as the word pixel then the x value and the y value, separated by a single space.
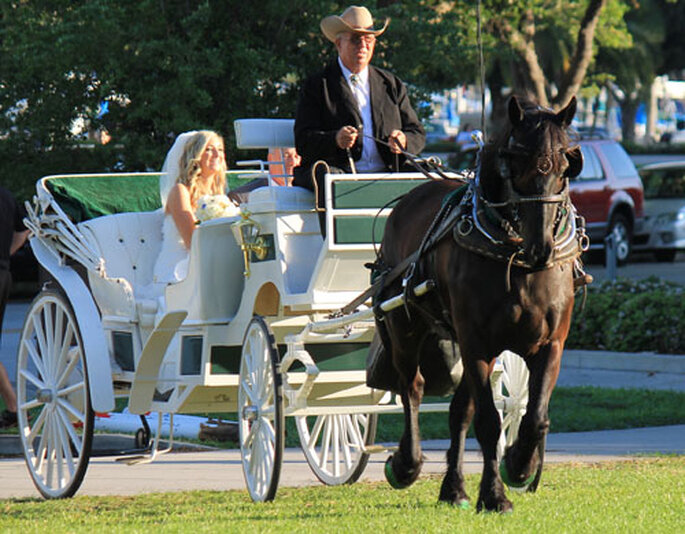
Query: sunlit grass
pixel 645 495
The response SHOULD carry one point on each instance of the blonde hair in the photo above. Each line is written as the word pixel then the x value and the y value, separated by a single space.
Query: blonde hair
pixel 189 166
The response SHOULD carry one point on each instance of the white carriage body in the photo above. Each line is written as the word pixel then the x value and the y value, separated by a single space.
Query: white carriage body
pixel 302 280
pixel 142 339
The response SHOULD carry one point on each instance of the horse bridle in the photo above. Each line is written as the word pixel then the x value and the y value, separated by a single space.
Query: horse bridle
pixel 514 199
pixel 545 165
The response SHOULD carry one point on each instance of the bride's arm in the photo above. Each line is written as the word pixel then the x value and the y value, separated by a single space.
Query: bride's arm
pixel 181 210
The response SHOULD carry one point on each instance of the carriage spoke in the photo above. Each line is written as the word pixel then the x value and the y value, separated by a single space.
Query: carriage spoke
pixel 73 437
pixel 70 365
pixel 57 341
pixel 248 392
pixel 36 381
pixel 38 332
pixel 49 339
pixel 38 425
pixel 336 445
pixel 59 451
pixel 354 431
pixel 35 358
pixel 78 386
pixel 249 440
pixel 316 431
pixel 71 409
pixel 326 441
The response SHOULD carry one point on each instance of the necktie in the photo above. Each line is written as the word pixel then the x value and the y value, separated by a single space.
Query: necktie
pixel 354 79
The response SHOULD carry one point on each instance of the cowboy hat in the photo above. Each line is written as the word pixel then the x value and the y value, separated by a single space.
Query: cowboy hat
pixel 354 19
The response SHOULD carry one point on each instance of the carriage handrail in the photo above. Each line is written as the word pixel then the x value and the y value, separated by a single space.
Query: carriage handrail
pixel 57 232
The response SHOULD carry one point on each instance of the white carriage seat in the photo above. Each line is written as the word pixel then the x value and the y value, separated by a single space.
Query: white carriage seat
pixel 129 244
pixel 281 199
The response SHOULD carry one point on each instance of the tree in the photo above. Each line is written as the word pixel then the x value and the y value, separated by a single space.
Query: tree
pixel 632 70
pixel 165 66
pixel 543 48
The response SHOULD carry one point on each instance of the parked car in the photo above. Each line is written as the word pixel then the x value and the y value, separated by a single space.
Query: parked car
pixel 664 185
pixel 608 193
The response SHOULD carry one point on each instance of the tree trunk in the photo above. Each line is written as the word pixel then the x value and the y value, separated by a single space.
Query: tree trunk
pixel 629 106
pixel 582 55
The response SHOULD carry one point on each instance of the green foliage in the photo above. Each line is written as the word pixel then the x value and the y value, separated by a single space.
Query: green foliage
pixel 631 316
pixel 642 495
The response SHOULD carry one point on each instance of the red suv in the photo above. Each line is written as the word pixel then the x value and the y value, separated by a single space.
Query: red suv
pixel 608 193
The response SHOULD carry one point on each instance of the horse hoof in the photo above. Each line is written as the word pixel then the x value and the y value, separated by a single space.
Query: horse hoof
pixel 515 485
pixel 463 504
pixel 390 476
pixel 503 506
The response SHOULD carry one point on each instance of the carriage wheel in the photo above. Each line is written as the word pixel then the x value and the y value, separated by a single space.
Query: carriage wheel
pixel 512 394
pixel 55 417
pixel 334 445
pixel 260 411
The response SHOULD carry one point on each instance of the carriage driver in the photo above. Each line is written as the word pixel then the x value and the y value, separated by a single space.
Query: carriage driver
pixel 353 116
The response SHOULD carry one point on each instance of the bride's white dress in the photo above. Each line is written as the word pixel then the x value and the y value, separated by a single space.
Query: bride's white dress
pixel 172 263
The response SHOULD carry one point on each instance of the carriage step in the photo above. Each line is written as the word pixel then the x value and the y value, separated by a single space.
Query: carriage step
pixel 147 370
pixel 379 448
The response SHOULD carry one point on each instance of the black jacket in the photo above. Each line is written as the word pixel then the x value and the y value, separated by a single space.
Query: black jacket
pixel 326 104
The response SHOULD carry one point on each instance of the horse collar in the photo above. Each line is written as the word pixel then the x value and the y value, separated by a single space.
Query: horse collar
pixel 479 227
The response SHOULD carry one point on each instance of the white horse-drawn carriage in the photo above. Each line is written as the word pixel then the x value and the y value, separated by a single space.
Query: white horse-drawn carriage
pixel 252 329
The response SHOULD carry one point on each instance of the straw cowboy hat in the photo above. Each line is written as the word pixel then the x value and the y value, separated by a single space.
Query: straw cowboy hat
pixel 354 19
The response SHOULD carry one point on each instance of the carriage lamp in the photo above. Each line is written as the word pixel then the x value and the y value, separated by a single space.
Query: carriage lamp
pixel 246 233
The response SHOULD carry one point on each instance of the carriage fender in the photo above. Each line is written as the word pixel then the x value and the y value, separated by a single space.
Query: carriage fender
pixel 87 318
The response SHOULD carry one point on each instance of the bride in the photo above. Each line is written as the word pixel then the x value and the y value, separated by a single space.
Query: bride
pixel 195 166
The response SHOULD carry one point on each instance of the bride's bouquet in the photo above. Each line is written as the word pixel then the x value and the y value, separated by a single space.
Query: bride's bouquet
pixel 215 206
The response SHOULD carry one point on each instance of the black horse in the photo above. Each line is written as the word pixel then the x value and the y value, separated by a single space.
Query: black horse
pixel 502 263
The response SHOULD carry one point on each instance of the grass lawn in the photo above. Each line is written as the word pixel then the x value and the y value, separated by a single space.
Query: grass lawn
pixel 642 495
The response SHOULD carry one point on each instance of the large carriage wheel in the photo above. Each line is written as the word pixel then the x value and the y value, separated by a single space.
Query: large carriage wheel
pixel 334 445
pixel 54 412
pixel 511 393
pixel 260 411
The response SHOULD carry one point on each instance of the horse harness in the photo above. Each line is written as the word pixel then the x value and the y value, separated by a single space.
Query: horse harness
pixel 476 224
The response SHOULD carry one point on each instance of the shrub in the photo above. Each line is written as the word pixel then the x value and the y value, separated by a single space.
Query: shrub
pixel 631 316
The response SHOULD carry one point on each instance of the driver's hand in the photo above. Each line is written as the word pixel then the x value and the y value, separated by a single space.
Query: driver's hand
pixel 346 136
pixel 397 141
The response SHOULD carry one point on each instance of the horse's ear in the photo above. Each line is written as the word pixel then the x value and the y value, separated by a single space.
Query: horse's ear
pixel 516 112
pixel 575 161
pixel 565 116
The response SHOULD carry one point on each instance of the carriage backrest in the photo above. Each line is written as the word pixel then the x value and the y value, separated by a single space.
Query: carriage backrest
pixel 264 133
pixel 87 196
pixel 129 243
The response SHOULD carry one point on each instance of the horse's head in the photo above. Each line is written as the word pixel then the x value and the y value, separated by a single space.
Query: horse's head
pixel 534 161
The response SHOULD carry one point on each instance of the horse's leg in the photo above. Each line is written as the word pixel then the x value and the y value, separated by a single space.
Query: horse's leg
pixel 488 426
pixel 522 462
pixel 404 466
pixel 461 413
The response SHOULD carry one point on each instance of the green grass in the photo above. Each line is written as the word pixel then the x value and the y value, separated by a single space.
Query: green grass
pixel 642 495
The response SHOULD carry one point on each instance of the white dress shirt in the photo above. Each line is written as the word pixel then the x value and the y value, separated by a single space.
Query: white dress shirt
pixel 370 160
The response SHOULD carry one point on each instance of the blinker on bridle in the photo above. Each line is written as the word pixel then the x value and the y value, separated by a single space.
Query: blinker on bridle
pixel 545 165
